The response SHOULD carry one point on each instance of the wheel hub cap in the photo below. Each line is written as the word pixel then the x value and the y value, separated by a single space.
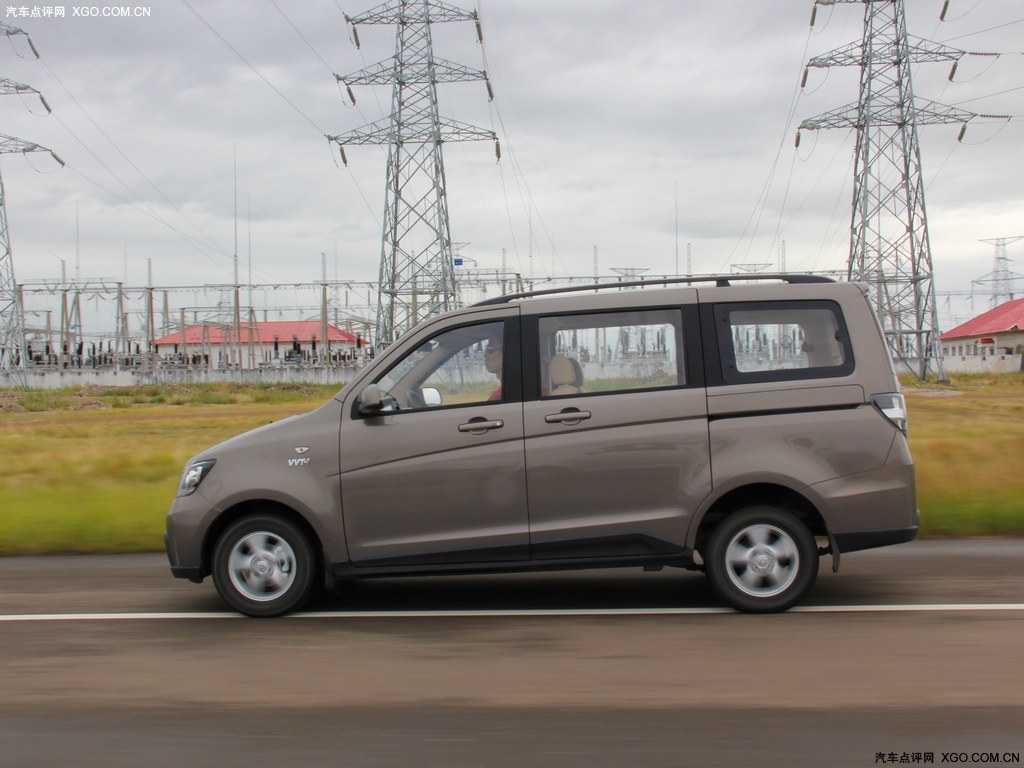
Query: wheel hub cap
pixel 262 566
pixel 762 560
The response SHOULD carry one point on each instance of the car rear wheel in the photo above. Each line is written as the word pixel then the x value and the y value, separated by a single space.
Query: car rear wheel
pixel 263 565
pixel 761 559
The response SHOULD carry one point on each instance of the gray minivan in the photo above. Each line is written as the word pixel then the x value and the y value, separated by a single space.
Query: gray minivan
pixel 742 427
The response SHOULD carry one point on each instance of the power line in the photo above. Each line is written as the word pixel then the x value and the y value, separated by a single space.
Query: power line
pixel 258 74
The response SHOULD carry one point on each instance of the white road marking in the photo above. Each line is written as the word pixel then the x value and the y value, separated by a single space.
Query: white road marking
pixel 527 612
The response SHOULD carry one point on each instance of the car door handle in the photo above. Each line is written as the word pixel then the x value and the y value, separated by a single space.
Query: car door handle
pixel 480 425
pixel 569 417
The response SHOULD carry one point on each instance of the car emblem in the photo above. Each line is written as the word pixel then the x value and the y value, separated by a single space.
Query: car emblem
pixel 301 449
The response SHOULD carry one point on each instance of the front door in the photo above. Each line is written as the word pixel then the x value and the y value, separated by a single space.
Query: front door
pixel 437 474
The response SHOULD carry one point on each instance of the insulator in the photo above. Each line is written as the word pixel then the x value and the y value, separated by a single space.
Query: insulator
pixel 479 32
pixel 945 7
pixel 963 130
pixel 803 80
pixel 32 46
pixel 45 105
pixel 497 149
pixel 797 144
pixel 351 95
pixel 952 71
pixel 814 14
pixel 57 158
pixel 344 159
pixel 490 91
pixel 355 36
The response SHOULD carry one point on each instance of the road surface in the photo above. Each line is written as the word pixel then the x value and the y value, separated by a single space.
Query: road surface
pixel 911 654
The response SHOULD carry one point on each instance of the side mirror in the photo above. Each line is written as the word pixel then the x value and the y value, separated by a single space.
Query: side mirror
pixel 431 397
pixel 370 403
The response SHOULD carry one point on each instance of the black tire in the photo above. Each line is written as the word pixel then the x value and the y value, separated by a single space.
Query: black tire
pixel 761 559
pixel 263 565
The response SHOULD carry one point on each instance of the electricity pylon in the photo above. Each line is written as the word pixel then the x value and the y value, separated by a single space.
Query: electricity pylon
pixel 1000 276
pixel 417 276
pixel 12 324
pixel 889 245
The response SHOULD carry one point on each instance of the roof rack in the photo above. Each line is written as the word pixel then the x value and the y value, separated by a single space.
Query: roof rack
pixel 720 281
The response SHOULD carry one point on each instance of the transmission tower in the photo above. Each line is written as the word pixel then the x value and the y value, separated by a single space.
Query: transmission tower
pixel 1001 276
pixel 417 277
pixel 12 325
pixel 889 245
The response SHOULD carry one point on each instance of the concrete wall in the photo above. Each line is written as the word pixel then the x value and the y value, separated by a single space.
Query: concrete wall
pixel 983 363
pixel 111 378
pixel 51 379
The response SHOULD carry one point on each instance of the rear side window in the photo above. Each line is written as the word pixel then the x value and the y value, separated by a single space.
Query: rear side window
pixel 618 351
pixel 783 340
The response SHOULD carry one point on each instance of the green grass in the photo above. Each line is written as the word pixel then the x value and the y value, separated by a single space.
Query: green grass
pixel 967 438
pixel 95 470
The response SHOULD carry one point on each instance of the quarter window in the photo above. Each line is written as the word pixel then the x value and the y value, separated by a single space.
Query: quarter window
pixel 778 341
pixel 610 352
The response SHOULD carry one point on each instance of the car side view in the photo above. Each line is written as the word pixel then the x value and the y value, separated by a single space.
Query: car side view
pixel 739 426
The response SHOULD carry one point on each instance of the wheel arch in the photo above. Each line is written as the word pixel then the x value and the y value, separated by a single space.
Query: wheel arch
pixel 768 493
pixel 257 507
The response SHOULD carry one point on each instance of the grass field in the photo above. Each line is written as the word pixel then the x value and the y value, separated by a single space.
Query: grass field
pixel 95 470
pixel 967 439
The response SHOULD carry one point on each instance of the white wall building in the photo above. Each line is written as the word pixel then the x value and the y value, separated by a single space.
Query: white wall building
pixel 992 342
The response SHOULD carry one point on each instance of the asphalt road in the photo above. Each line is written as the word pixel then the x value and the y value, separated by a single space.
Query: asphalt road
pixel 568 669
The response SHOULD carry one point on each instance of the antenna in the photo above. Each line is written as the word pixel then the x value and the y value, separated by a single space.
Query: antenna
pixel 417 276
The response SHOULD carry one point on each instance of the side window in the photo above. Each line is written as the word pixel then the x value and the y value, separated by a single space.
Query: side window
pixel 610 352
pixel 456 367
pixel 779 341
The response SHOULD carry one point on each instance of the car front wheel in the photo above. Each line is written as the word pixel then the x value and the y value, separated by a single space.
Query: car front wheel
pixel 761 559
pixel 263 565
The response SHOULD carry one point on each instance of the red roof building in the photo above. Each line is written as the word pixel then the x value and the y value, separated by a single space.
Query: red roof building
pixel 992 341
pixel 262 343
pixel 1006 318
pixel 305 332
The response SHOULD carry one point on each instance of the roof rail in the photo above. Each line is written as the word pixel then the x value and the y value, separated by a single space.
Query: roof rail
pixel 720 281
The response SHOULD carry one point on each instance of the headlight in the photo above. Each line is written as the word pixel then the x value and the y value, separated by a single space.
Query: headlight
pixel 193 475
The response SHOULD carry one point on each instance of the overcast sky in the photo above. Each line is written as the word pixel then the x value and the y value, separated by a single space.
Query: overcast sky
pixel 616 119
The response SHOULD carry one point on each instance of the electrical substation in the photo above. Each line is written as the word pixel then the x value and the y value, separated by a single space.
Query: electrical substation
pixel 105 330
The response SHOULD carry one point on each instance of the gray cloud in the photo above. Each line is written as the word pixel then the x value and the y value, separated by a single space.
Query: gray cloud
pixel 606 110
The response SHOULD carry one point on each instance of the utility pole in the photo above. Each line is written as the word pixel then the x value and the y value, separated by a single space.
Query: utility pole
pixel 889 244
pixel 12 323
pixel 417 277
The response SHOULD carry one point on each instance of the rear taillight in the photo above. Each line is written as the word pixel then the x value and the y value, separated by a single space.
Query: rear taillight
pixel 893 407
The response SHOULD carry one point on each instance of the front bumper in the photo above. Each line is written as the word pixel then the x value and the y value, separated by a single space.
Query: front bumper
pixel 191 572
pixel 187 523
